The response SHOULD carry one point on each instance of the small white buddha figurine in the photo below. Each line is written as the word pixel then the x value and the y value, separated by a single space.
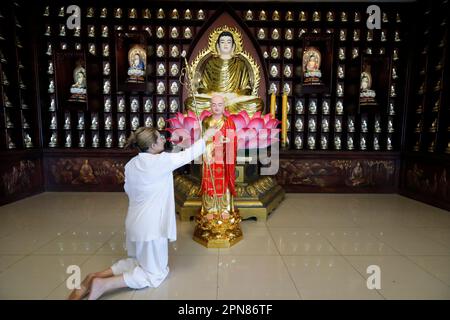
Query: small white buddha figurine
pixel 341 53
pixel 95 141
pixel 274 71
pixel 287 71
pixel 52 105
pixel 108 141
pixel 350 143
pixel 312 125
pixel 288 53
pixel 121 105
pixel 51 87
pixel 107 87
pixel 160 32
pixel 121 124
pixel 174 87
pixel 340 72
pixel 160 51
pixel 53 123
pixel 67 122
pixel 77 32
pixel 393 92
pixel 187 33
pixel 161 123
pixel 161 107
pixel 299 124
pixel 161 70
pixel 173 105
pixel 50 68
pixel 298 142
pixel 92 49
pixel 91 32
pixel 27 141
pixel 249 15
pixel 122 140
pixel 325 107
pixel 134 105
pixel 389 143
pixel 80 122
pixel 342 34
pixel 108 123
pixel 160 88
pixel 106 50
pixel 364 127
pixel 261 34
pixel 312 107
pixel 94 122
pixel 174 70
pixel 134 123
pixel 377 126
pixel 105 32
pixel 107 105
pixel 340 90
pixel 274 53
pixel 174 52
pixel 355 53
pixel 337 125
pixel 62 30
pixel 148 105
pixel 376 143
pixel 362 143
pixel 390 126
pixel 337 143
pixel 351 125
pixel 82 141
pixel 325 127
pixel 299 108
pixel 323 143
pixel 311 142
pixel 49 49
pixel 148 122
pixel 174 33
pixel 391 109
pixel 53 140
pixel 106 69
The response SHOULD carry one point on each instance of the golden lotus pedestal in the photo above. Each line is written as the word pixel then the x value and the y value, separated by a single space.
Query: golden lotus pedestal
pixel 210 241
pixel 256 198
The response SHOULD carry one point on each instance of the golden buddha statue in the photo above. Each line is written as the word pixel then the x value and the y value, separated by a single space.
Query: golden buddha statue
pixel 225 69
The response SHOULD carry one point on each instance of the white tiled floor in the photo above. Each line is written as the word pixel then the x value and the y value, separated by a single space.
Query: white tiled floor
pixel 314 246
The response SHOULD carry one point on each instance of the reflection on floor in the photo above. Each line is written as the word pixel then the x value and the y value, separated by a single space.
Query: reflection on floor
pixel 314 246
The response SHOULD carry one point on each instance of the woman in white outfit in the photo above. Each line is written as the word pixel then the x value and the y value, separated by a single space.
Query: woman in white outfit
pixel 150 221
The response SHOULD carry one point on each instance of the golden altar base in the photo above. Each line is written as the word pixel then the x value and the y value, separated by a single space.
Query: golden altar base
pixel 256 199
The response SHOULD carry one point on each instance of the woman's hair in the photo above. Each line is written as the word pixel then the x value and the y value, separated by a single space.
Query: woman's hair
pixel 142 138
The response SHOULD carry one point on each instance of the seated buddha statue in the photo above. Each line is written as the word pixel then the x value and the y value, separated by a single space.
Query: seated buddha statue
pixel 225 69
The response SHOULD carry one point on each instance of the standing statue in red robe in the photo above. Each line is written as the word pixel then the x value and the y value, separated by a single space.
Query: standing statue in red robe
pixel 218 221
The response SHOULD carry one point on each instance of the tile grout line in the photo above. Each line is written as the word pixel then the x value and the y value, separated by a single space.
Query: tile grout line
pixel 285 265
pixel 351 264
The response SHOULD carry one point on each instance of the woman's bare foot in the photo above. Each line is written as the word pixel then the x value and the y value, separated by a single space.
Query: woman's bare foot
pixel 78 294
pixel 98 288
pixel 102 285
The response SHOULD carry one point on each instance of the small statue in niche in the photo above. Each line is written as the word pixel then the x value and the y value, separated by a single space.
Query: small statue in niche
pixel 137 58
pixel 107 87
pixel 27 141
pixel 108 142
pixel 148 105
pixel 122 140
pixel 134 123
pixel 95 141
pixel 366 95
pixel 324 143
pixel 53 123
pixel 121 106
pixel 148 122
pixel 337 143
pixel 107 69
pixel 311 66
pixel 53 140
pixel 78 89
pixel 108 123
pixel 134 105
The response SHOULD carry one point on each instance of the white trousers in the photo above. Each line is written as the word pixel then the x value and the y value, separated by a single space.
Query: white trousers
pixel 147 265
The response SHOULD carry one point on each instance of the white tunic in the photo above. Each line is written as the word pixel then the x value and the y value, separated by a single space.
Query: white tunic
pixel 149 186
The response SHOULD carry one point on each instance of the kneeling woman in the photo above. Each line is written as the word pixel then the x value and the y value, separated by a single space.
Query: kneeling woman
pixel 150 221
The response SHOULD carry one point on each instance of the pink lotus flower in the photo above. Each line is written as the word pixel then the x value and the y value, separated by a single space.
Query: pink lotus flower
pixel 255 132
